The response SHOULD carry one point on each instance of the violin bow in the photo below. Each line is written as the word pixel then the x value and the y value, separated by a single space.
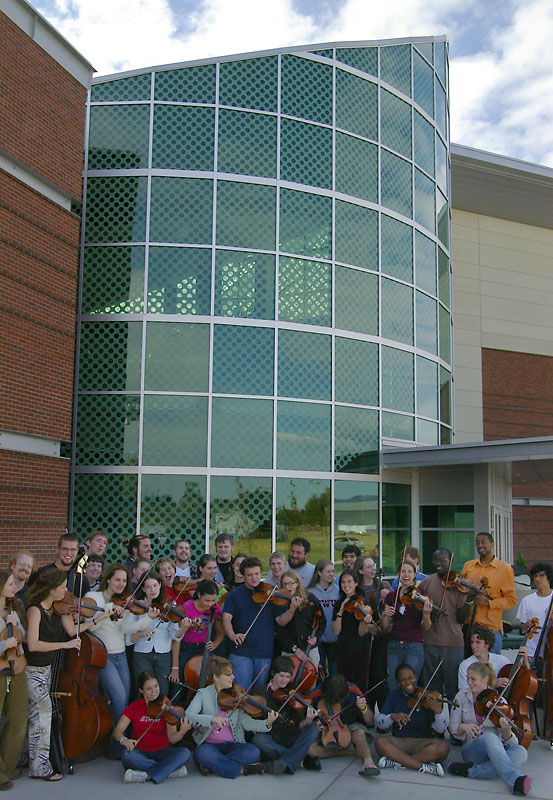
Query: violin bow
pixel 273 590
pixel 157 716
pixel 293 693
pixel 399 582
pixel 245 692
pixel 447 578
pixel 420 697
pixel 499 697
pixel 349 705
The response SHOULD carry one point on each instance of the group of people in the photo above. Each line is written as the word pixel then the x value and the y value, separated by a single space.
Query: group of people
pixel 369 645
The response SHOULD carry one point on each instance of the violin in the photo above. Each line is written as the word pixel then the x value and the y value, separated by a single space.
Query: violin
pixel 185 587
pixel 237 697
pixel 454 580
pixel 353 606
pixel 69 604
pixel 296 702
pixel 264 593
pixel 491 705
pixel 128 602
pixel 12 661
pixel 337 735
pixel 174 715
pixel 424 698
pixel 410 597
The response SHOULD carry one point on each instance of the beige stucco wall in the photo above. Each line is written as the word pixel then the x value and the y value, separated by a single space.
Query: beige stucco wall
pixel 502 299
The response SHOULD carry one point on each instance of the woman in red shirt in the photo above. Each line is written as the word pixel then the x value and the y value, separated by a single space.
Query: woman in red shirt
pixel 148 756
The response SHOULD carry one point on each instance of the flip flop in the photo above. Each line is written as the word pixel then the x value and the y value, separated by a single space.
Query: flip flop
pixel 369 772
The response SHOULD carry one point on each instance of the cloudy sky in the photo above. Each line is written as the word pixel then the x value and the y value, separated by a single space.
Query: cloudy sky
pixel 501 52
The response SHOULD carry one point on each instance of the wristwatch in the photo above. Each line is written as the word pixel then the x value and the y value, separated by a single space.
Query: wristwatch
pixel 294 648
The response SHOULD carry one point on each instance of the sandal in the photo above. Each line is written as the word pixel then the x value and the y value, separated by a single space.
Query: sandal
pixel 52 776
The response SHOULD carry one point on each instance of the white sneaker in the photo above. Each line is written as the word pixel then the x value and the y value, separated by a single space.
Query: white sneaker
pixel 387 763
pixel 432 769
pixel 135 776
pixel 181 772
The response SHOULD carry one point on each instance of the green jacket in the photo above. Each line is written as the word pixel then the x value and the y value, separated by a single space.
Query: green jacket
pixel 204 706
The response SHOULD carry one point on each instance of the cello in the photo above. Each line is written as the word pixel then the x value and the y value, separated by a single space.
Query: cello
pixel 522 687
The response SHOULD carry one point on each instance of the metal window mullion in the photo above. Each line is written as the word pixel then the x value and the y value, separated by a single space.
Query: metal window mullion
pixel 333 315
pixel 277 328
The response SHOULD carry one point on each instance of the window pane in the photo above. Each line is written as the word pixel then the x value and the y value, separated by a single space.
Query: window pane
pixel 356 104
pixel 244 284
pixel 175 431
pixel 395 123
pixel 427 432
pixel 425 213
pixel 118 137
pixel 306 89
pixel 303 509
pixel 135 88
pixel 445 334
pixel 177 357
pixel 395 66
pixel 305 224
pixel 181 210
pixel 355 517
pixel 113 280
pixel 108 503
pixel 443 269
pixel 188 85
pixel 396 524
pixel 247 143
pixel 356 167
pixel 398 426
pixel 440 60
pixel 424 144
pixel 458 542
pixel 441 109
pixel 183 137
pixel 441 164
pixel 397 311
pixel 445 396
pixel 397 249
pixel 397 188
pixel 243 360
pixel 303 438
pixel 427 388
pixel 116 209
pixel 356 300
pixel 356 372
pixel 425 261
pixel 249 83
pixel 397 379
pixel 109 356
pixel 364 59
pixel 423 84
pixel 427 324
pixel 356 235
pixel 304 365
pixel 242 433
pixel 179 280
pixel 356 440
pixel 173 506
pixel 442 211
pixel 305 153
pixel 304 291
pixel 242 507
pixel 246 215
pixel 107 430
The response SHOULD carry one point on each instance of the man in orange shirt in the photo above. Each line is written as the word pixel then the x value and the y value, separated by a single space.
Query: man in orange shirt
pixel 501 586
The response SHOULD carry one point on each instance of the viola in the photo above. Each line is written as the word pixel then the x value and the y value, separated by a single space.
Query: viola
pixel 337 735
pixel 69 604
pixel 12 661
pixel 410 597
pixel 424 698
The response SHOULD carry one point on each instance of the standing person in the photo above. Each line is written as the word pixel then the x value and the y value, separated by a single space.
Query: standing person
pixel 222 747
pixel 277 568
pixel 166 568
pixel 353 645
pixel 253 641
pixel 22 565
pixel 138 569
pixel 236 577
pixel 297 560
pixel 302 624
pixel 139 547
pixel 183 567
pixel 350 554
pixel 93 571
pixel 96 543
pixel 411 554
pixel 46 631
pixel 148 755
pixel 66 556
pixel 488 751
pixel 375 590
pixel 501 586
pixel 412 743
pixel 325 590
pixel 13 688
pixel 189 641
pixel 404 625
pixel 537 605
pixel 224 545
pixel 443 640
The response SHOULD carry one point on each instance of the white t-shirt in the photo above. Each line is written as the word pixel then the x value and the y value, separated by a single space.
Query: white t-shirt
pixel 534 606
pixel 496 660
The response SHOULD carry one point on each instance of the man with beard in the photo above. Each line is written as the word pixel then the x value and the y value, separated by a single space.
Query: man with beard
pixel 183 567
pixel 68 550
pixel 297 560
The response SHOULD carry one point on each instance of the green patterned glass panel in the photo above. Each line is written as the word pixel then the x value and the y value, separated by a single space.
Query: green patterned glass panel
pixel 303 436
pixel 427 432
pixel 181 210
pixel 243 360
pixel 107 429
pixel 395 66
pixel 174 431
pixel 397 248
pixel 443 270
pixel 356 372
pixel 247 143
pixel 242 433
pixel 118 137
pixel 246 215
pixel 356 440
pixel 441 164
pixel 395 123
pixel 242 507
pixel 356 105
pixel 249 83
pixel 135 88
pixel 113 280
pixel 177 357
pixel 305 153
pixel 356 167
pixel 305 224
pixel 364 59
pixel 325 53
pixel 425 263
pixel 440 60
pixel 244 284
pixel 445 396
pixel 427 50
pixel 107 503
pixel 427 324
pixel 441 108
pixel 442 212
pixel 397 380
pixel 356 300
pixel 187 85
pixel 183 137
pixel 397 426
pixel 423 84
pixel 301 506
pixel 397 311
pixel 425 213
pixel 179 280
pixel 424 144
pixel 427 388
pixel 306 89
pixel 445 335
pixel 173 506
pixel 396 184
pixel 304 291
pixel 116 209
pixel 109 356
pixel 356 235
pixel 304 365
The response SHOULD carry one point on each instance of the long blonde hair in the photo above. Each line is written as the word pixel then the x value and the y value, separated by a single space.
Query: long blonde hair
pixel 300 591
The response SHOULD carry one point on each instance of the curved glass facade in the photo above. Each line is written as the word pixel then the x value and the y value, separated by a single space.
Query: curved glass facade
pixel 265 296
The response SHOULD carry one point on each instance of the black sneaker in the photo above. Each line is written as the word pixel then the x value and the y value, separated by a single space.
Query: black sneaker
pixel 276 767
pixel 459 768
pixel 523 784
pixel 203 770
pixel 312 763
pixel 254 769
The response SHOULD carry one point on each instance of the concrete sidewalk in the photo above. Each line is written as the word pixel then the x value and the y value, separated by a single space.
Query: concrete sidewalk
pixel 338 779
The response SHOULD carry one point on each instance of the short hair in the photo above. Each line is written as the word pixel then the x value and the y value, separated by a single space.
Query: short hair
pixel 335 689
pixel 483 671
pixel 164 560
pixel 351 548
pixel 68 537
pixel 224 537
pixel 412 552
pixel 485 635
pixel 249 563
pixel 282 664
pixel 299 541
pixel 15 556
pixel 403 666
pixel 94 558
pixel 97 533
pixel 110 572
pixel 442 550
pixel 485 533
pixel 181 540
pixel 541 566
pixel 217 665
pixel 134 542
pixel 277 554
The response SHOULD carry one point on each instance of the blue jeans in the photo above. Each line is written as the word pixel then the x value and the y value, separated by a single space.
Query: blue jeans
pixel 497 645
pixel 291 748
pixel 491 758
pixel 411 653
pixel 158 663
pixel 246 669
pixel 115 679
pixel 227 758
pixel 159 764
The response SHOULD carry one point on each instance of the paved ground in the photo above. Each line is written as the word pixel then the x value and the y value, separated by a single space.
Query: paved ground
pixel 338 779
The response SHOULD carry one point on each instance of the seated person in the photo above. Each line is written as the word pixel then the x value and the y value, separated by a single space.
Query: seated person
pixel 412 743
pixel 481 642
pixel 287 744
pixel 356 716
pixel 488 751
pixel 147 755
pixel 222 747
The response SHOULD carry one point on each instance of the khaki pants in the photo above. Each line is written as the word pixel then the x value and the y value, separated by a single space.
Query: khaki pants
pixel 13 704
